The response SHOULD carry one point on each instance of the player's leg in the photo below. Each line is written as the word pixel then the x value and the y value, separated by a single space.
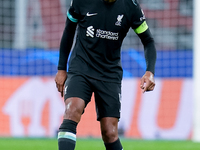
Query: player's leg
pixel 77 95
pixel 109 131
pixel 107 99
pixel 67 132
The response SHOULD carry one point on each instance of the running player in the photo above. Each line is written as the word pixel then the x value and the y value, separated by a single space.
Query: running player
pixel 94 65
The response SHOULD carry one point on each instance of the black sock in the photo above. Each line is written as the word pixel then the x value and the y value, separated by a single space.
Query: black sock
pixel 114 146
pixel 67 135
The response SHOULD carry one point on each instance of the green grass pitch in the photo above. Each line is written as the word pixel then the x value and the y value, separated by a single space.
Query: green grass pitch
pixel 94 144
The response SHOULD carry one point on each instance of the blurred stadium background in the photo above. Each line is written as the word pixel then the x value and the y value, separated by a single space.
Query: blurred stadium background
pixel 30 106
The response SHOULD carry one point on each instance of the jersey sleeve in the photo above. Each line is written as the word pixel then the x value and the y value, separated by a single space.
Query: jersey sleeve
pixel 139 25
pixel 138 19
pixel 73 13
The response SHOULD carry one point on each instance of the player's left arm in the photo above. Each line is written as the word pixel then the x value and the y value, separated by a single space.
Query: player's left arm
pixel 139 24
pixel 147 81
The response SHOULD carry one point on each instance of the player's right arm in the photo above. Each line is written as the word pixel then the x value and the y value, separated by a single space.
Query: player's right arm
pixel 65 48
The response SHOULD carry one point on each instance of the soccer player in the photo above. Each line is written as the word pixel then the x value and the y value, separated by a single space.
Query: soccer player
pixel 95 67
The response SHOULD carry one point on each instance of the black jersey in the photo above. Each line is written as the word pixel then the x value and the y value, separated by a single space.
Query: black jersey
pixel 100 33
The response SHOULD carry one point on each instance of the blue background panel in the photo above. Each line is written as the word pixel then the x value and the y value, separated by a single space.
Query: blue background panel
pixel 39 62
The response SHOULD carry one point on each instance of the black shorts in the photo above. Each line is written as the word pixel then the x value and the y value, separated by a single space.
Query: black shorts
pixel 107 94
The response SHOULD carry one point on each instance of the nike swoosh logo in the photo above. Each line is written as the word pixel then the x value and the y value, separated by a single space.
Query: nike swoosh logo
pixel 88 14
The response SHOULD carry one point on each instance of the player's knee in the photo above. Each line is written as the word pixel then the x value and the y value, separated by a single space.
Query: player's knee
pixel 73 111
pixel 109 136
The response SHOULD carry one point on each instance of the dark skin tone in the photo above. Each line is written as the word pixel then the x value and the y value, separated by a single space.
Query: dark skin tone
pixel 74 106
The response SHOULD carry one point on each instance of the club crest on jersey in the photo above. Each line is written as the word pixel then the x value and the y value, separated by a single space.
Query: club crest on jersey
pixel 119 20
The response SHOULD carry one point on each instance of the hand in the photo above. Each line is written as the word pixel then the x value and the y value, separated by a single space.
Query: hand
pixel 147 82
pixel 60 79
